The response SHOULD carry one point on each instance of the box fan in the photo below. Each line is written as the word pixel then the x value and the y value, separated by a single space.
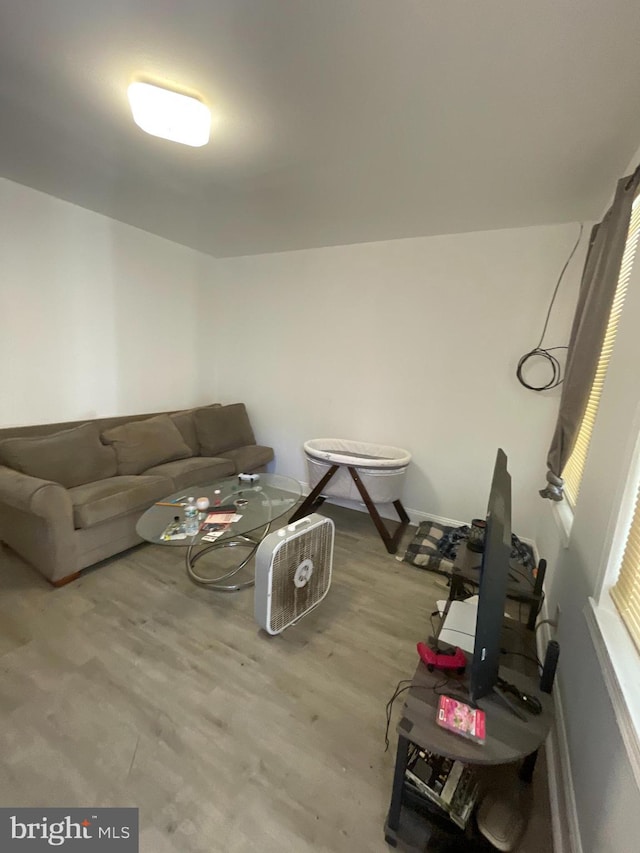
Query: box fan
pixel 293 572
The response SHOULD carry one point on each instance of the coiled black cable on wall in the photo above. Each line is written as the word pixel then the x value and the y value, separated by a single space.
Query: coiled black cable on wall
pixel 546 352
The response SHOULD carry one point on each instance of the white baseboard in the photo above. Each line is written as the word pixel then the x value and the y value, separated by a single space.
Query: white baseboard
pixel 388 510
pixel 416 516
pixel 562 799
pixel 437 519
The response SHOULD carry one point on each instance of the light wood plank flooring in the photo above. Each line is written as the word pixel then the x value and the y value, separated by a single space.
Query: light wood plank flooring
pixel 134 687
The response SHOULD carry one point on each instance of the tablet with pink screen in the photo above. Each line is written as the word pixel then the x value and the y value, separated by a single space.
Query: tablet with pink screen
pixel 462 719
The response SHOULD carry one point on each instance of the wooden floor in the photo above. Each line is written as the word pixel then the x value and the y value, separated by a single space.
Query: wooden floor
pixel 134 687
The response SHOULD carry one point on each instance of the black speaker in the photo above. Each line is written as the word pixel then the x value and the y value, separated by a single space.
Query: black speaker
pixel 550 666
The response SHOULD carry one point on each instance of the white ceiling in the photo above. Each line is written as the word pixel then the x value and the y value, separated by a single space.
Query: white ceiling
pixel 337 121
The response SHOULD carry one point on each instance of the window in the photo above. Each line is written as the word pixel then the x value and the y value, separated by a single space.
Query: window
pixel 613 617
pixel 626 592
pixel 573 470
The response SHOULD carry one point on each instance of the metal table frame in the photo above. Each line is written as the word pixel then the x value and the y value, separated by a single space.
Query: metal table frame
pixel 282 497
pixel 242 540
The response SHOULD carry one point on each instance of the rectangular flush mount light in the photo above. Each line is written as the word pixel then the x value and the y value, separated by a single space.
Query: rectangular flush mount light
pixel 170 115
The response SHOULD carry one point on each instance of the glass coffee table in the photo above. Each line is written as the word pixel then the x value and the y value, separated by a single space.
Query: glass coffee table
pixel 259 504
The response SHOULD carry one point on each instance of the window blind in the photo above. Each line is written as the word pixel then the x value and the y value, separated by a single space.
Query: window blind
pixel 626 592
pixel 574 469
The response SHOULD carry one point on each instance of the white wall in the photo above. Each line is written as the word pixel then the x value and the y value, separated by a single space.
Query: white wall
pixel 412 343
pixel 607 799
pixel 408 342
pixel 97 318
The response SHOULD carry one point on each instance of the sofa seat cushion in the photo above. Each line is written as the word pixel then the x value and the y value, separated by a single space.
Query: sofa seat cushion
pixel 223 428
pixel 246 459
pixel 116 496
pixel 197 471
pixel 70 457
pixel 139 445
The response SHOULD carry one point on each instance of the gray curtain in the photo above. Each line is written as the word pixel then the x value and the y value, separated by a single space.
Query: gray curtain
pixel 597 289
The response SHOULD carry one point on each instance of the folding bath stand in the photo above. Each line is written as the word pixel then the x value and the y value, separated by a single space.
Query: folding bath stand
pixel 348 469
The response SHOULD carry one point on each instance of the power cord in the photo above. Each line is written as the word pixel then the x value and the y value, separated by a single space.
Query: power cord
pixel 546 353
pixel 389 706
pixel 408 682
pixel 551 622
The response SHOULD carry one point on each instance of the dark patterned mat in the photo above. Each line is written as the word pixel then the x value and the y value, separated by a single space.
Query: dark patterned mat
pixel 424 549
pixel 434 547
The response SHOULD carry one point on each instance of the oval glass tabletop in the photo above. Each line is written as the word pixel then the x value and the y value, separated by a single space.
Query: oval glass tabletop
pixel 257 503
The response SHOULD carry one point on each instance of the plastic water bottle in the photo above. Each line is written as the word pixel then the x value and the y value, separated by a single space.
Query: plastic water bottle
pixel 191 523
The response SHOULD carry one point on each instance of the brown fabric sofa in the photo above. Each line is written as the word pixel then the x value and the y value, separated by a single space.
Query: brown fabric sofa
pixel 71 493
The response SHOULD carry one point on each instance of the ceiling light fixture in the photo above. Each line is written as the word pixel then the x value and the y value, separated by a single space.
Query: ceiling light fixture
pixel 169 115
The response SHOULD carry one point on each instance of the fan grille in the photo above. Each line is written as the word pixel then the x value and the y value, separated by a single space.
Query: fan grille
pixel 288 602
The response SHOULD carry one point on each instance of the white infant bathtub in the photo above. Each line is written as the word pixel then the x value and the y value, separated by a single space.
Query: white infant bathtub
pixel 381 468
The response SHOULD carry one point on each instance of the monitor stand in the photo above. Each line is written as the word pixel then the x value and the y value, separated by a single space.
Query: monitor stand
pixel 499 692
pixel 459 629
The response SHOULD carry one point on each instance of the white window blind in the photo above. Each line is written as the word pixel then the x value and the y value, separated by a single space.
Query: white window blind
pixel 626 592
pixel 572 474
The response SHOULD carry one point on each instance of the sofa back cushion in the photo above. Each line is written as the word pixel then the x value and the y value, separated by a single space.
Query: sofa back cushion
pixel 223 428
pixel 71 457
pixel 187 427
pixel 141 444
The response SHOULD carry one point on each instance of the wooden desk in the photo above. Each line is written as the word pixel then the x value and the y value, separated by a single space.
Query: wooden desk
pixel 508 738
pixel 522 586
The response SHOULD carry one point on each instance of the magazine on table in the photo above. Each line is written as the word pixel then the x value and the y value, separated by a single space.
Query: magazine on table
pixel 216 523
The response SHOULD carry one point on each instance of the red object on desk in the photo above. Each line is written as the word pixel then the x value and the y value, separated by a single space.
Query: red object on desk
pixel 441 660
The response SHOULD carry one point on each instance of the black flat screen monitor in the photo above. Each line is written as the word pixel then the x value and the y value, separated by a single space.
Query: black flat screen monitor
pixel 493 583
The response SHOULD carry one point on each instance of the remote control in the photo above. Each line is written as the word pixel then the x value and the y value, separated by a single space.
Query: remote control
pixel 248 478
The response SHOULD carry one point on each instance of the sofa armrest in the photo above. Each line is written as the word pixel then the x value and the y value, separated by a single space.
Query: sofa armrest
pixel 32 495
pixel 36 521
